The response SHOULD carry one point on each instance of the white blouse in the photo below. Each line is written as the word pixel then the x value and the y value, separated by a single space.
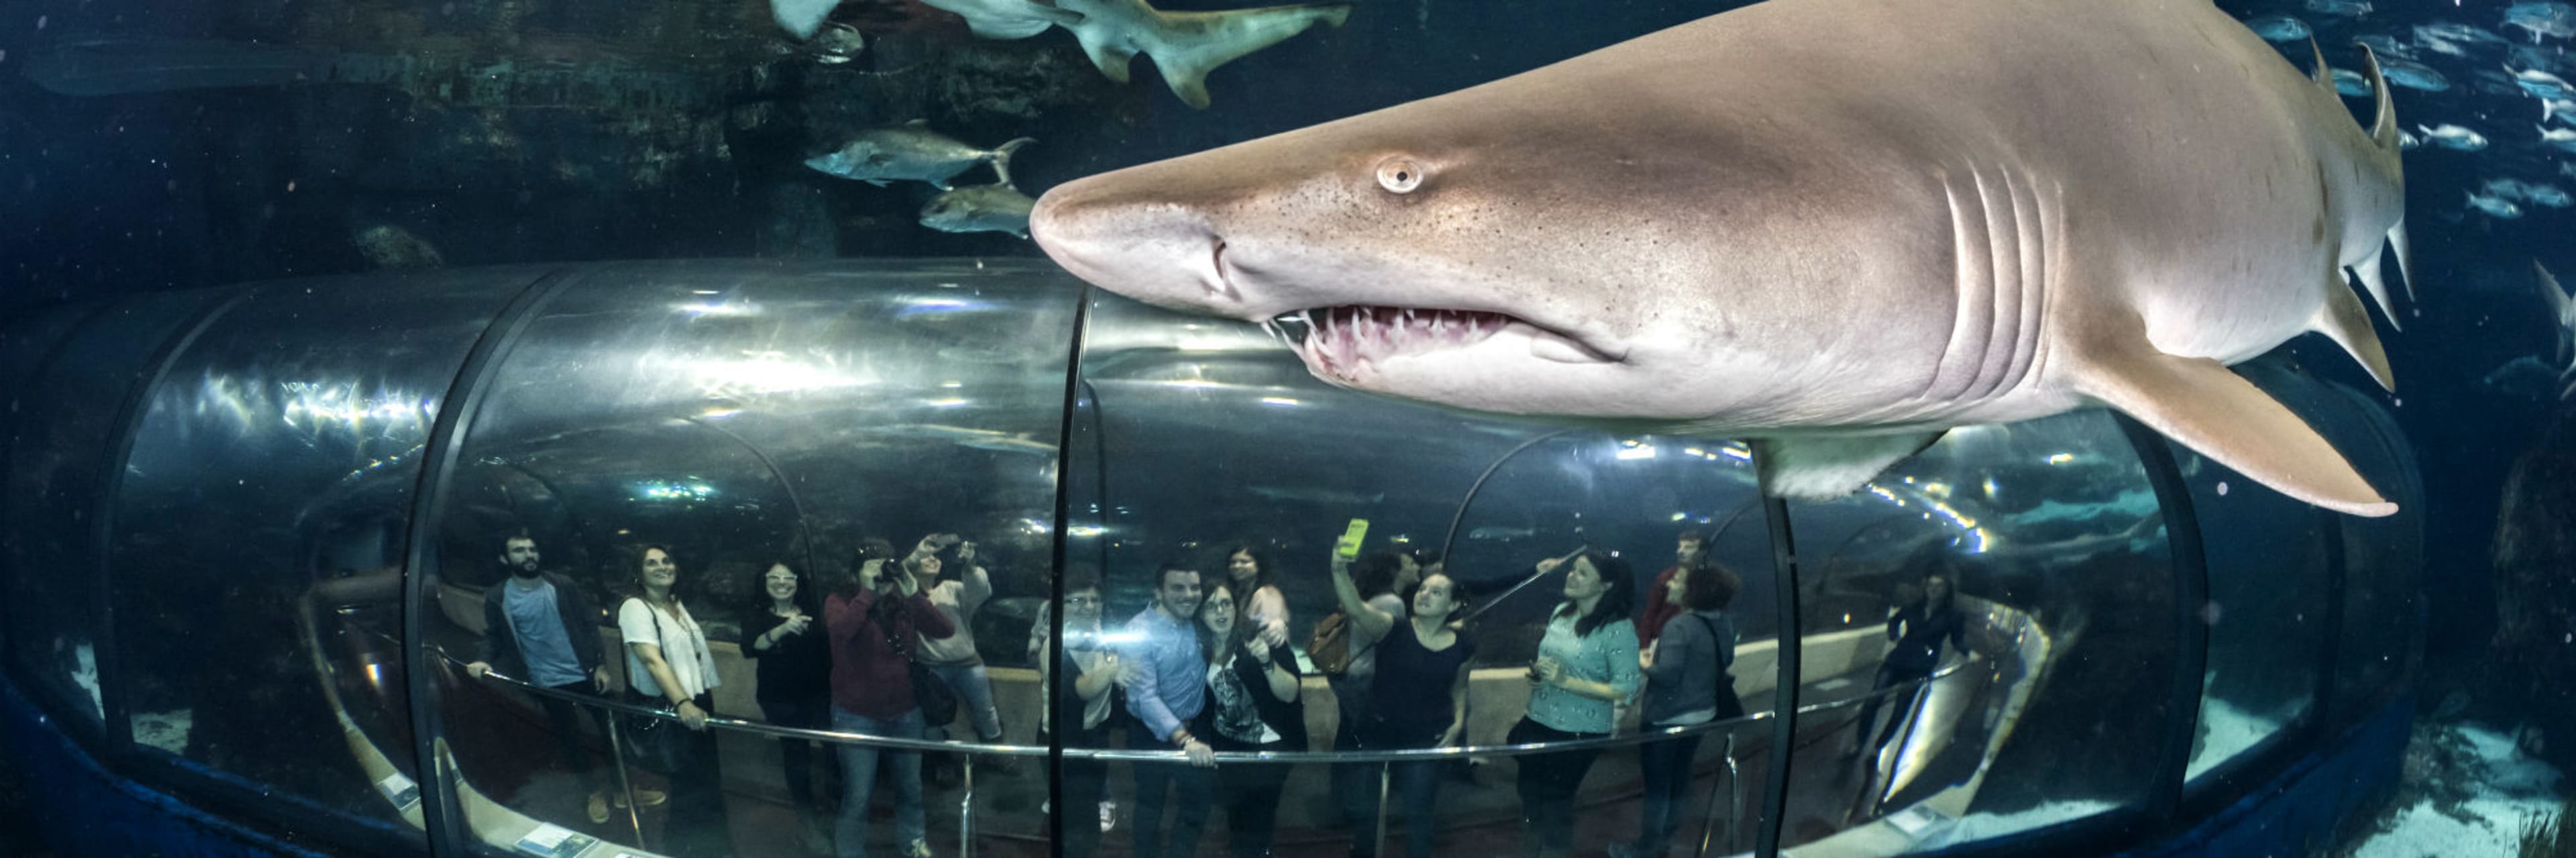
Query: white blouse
pixel 683 643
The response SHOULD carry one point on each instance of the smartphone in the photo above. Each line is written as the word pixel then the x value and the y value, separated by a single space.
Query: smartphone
pixel 1349 546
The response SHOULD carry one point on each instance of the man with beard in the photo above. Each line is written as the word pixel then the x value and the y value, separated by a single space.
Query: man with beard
pixel 539 627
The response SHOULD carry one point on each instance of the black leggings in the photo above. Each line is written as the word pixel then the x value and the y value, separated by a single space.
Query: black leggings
pixel 1548 783
pixel 796 756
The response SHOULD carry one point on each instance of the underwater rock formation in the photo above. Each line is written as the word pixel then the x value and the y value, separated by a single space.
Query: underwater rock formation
pixel 2535 547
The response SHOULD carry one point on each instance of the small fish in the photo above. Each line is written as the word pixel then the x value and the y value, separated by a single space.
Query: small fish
pixel 981 208
pixel 2510 189
pixel 2455 32
pixel 2560 137
pixel 2497 207
pixel 911 152
pixel 2345 8
pixel 2441 46
pixel 2413 75
pixel 2450 136
pixel 2541 84
pixel 2351 83
pixel 2542 19
pixel 2560 109
pixel 2549 196
pixel 2278 28
pixel 2385 46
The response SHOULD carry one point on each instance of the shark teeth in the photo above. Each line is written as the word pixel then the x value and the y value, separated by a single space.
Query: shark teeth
pixel 1336 340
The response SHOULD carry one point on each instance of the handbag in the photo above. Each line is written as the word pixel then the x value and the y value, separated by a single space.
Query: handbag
pixel 937 701
pixel 654 743
pixel 1729 707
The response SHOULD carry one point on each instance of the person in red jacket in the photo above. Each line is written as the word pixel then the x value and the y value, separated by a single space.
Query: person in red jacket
pixel 1692 550
pixel 871 627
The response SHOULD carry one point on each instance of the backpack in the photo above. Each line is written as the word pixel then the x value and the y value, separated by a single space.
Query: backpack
pixel 1329 645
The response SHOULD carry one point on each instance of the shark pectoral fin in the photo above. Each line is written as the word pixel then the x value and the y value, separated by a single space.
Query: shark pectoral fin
pixel 2348 323
pixel 1188 45
pixel 1106 47
pixel 2202 405
pixel 1827 467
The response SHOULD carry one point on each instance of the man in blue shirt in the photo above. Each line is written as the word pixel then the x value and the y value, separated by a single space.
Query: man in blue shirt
pixel 538 627
pixel 1169 689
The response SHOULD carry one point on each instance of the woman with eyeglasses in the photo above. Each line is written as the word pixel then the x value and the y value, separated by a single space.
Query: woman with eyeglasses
pixel 795 688
pixel 1252 707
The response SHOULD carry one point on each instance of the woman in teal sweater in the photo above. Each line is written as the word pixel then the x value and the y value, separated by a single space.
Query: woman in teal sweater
pixel 1586 664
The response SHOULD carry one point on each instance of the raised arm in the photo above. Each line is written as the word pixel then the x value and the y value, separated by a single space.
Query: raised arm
pixel 1366 621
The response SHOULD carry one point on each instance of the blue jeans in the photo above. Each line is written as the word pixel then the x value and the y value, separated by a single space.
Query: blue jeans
pixel 859 777
pixel 975 692
pixel 1667 769
pixel 1197 788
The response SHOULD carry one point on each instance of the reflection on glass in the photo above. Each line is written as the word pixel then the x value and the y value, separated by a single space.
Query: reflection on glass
pixel 1957 583
pixel 2266 612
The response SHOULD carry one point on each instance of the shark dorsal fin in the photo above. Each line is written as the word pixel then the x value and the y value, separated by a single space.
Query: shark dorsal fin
pixel 2383 125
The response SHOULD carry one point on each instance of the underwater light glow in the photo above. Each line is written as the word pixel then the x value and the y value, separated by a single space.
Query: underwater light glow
pixel 659 491
pixel 951 402
pixel 2061 458
pixel 1280 400
pixel 1631 450
pixel 717 309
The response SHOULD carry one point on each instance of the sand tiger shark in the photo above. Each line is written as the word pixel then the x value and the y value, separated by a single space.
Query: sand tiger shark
pixel 1185 45
pixel 1836 228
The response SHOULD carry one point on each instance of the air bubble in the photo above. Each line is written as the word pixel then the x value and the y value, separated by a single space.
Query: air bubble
pixel 2222 488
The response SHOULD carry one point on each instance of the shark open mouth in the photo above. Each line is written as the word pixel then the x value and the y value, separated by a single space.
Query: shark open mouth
pixel 1337 340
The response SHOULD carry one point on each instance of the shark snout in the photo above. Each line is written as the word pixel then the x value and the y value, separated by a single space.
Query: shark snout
pixel 1148 247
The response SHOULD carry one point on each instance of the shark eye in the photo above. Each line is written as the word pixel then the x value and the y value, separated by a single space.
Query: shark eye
pixel 1399 175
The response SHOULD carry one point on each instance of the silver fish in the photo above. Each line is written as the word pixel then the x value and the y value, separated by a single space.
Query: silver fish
pixel 2345 8
pixel 1186 45
pixel 981 208
pixel 2542 19
pixel 2413 75
pixel 2562 138
pixel 2450 136
pixel 2541 84
pixel 1609 238
pixel 2547 196
pixel 2278 28
pixel 2495 206
pixel 911 152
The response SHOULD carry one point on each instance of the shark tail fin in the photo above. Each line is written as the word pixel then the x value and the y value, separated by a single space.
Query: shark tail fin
pixel 1002 157
pixel 2344 320
pixel 2560 311
pixel 2383 124
pixel 2202 405
pixel 1188 45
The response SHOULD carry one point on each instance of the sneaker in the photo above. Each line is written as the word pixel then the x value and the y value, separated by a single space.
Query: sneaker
pixel 917 849
pixel 599 808
pixel 646 797
pixel 1108 816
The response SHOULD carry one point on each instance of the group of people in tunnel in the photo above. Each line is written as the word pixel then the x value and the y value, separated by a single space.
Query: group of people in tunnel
pixel 1205 668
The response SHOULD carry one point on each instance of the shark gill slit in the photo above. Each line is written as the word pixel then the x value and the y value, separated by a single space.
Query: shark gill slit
pixel 2003 235
pixel 1971 260
pixel 2034 283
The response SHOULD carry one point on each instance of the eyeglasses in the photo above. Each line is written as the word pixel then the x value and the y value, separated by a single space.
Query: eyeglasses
pixel 1082 600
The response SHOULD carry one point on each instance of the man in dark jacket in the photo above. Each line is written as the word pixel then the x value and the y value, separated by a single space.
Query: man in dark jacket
pixel 540 628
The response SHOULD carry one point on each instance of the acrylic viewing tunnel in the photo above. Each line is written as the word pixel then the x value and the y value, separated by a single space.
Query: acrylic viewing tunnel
pixel 248 531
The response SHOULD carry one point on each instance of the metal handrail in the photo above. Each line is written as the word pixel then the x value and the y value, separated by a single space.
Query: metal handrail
pixel 1640 737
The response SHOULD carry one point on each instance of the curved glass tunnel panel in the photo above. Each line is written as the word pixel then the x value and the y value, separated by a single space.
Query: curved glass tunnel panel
pixel 1196 436
pixel 748 415
pixel 53 495
pixel 2382 634
pixel 2268 611
pixel 2024 702
pixel 264 507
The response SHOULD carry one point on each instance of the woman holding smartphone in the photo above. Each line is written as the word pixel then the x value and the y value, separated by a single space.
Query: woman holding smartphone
pixel 1252 706
pixel 1586 665
pixel 1417 697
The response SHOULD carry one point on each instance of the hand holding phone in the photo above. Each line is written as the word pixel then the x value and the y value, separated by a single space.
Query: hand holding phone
pixel 1352 537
